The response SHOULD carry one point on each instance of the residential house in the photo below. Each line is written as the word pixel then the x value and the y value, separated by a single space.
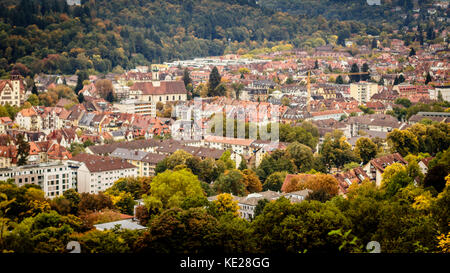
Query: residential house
pixel 53 178
pixel 348 178
pixel 29 119
pixel 98 173
pixel 12 91
pixel 375 168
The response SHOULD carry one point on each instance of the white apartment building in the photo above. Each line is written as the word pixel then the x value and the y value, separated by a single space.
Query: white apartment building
pixel 12 91
pixel 53 178
pixel 28 119
pixel 363 91
pixel 98 173
pixel 145 108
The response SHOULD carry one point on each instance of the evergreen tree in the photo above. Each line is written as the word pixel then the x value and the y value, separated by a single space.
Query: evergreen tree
pixel 316 65
pixel 401 78
pixel 412 52
pixel 23 150
pixel 355 69
pixel 428 78
pixel 214 81
pixel 396 82
pixel 82 76
pixel 365 68
pixel 431 35
pixel 34 89
pixel 374 43
pixel 80 97
pixel 79 85
pixel 186 77
pixel 110 97
pixel 381 82
pixel 339 80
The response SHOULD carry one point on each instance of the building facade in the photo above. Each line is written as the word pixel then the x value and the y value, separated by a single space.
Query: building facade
pixel 363 91
pixel 53 178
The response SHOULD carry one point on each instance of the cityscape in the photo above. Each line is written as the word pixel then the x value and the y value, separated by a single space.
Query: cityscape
pixel 224 127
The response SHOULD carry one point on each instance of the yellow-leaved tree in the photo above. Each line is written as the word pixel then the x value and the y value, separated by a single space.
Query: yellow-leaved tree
pixel 226 204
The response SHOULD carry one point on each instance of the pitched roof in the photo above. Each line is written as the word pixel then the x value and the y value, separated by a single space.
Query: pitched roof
pixel 165 87
pixel 228 140
pixel 29 112
pixel 128 154
pixel 96 163
pixel 345 179
pixel 382 162
pixel 124 224
pixel 153 158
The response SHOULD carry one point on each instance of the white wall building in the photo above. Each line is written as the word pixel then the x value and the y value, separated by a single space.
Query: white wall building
pixel 98 173
pixel 363 91
pixel 54 178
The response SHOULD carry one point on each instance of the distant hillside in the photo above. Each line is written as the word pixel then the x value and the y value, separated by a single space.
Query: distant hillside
pixel 51 36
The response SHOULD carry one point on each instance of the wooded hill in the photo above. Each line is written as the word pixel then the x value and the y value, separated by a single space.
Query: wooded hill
pixel 50 36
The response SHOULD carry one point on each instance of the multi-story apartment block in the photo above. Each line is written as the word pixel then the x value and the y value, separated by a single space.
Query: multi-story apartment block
pixel 144 161
pixel 29 119
pixel 53 178
pixel 363 91
pixel 98 173
pixel 145 108
pixel 12 91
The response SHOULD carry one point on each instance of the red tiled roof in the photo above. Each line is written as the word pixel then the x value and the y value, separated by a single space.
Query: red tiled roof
pixel 382 162
pixel 96 163
pixel 165 87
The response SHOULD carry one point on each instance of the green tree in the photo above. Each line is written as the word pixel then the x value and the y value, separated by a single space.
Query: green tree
pixel 243 164
pixel 278 161
pixel 301 155
pixel 134 186
pixel 435 177
pixel 214 81
pixel 336 151
pixel 172 187
pixel 274 181
pixel 428 78
pixel 80 97
pixel 355 69
pixel 33 99
pixel 395 177
pixel 403 142
pixel 231 181
pixel 82 76
pixel 226 159
pixel 23 150
pixel 293 228
pixel 365 68
pixel 186 77
pixel 124 201
pixel 180 231
pixel 237 88
pixel 365 149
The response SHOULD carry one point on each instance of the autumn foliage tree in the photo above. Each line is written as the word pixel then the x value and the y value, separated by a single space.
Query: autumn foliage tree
pixel 251 181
